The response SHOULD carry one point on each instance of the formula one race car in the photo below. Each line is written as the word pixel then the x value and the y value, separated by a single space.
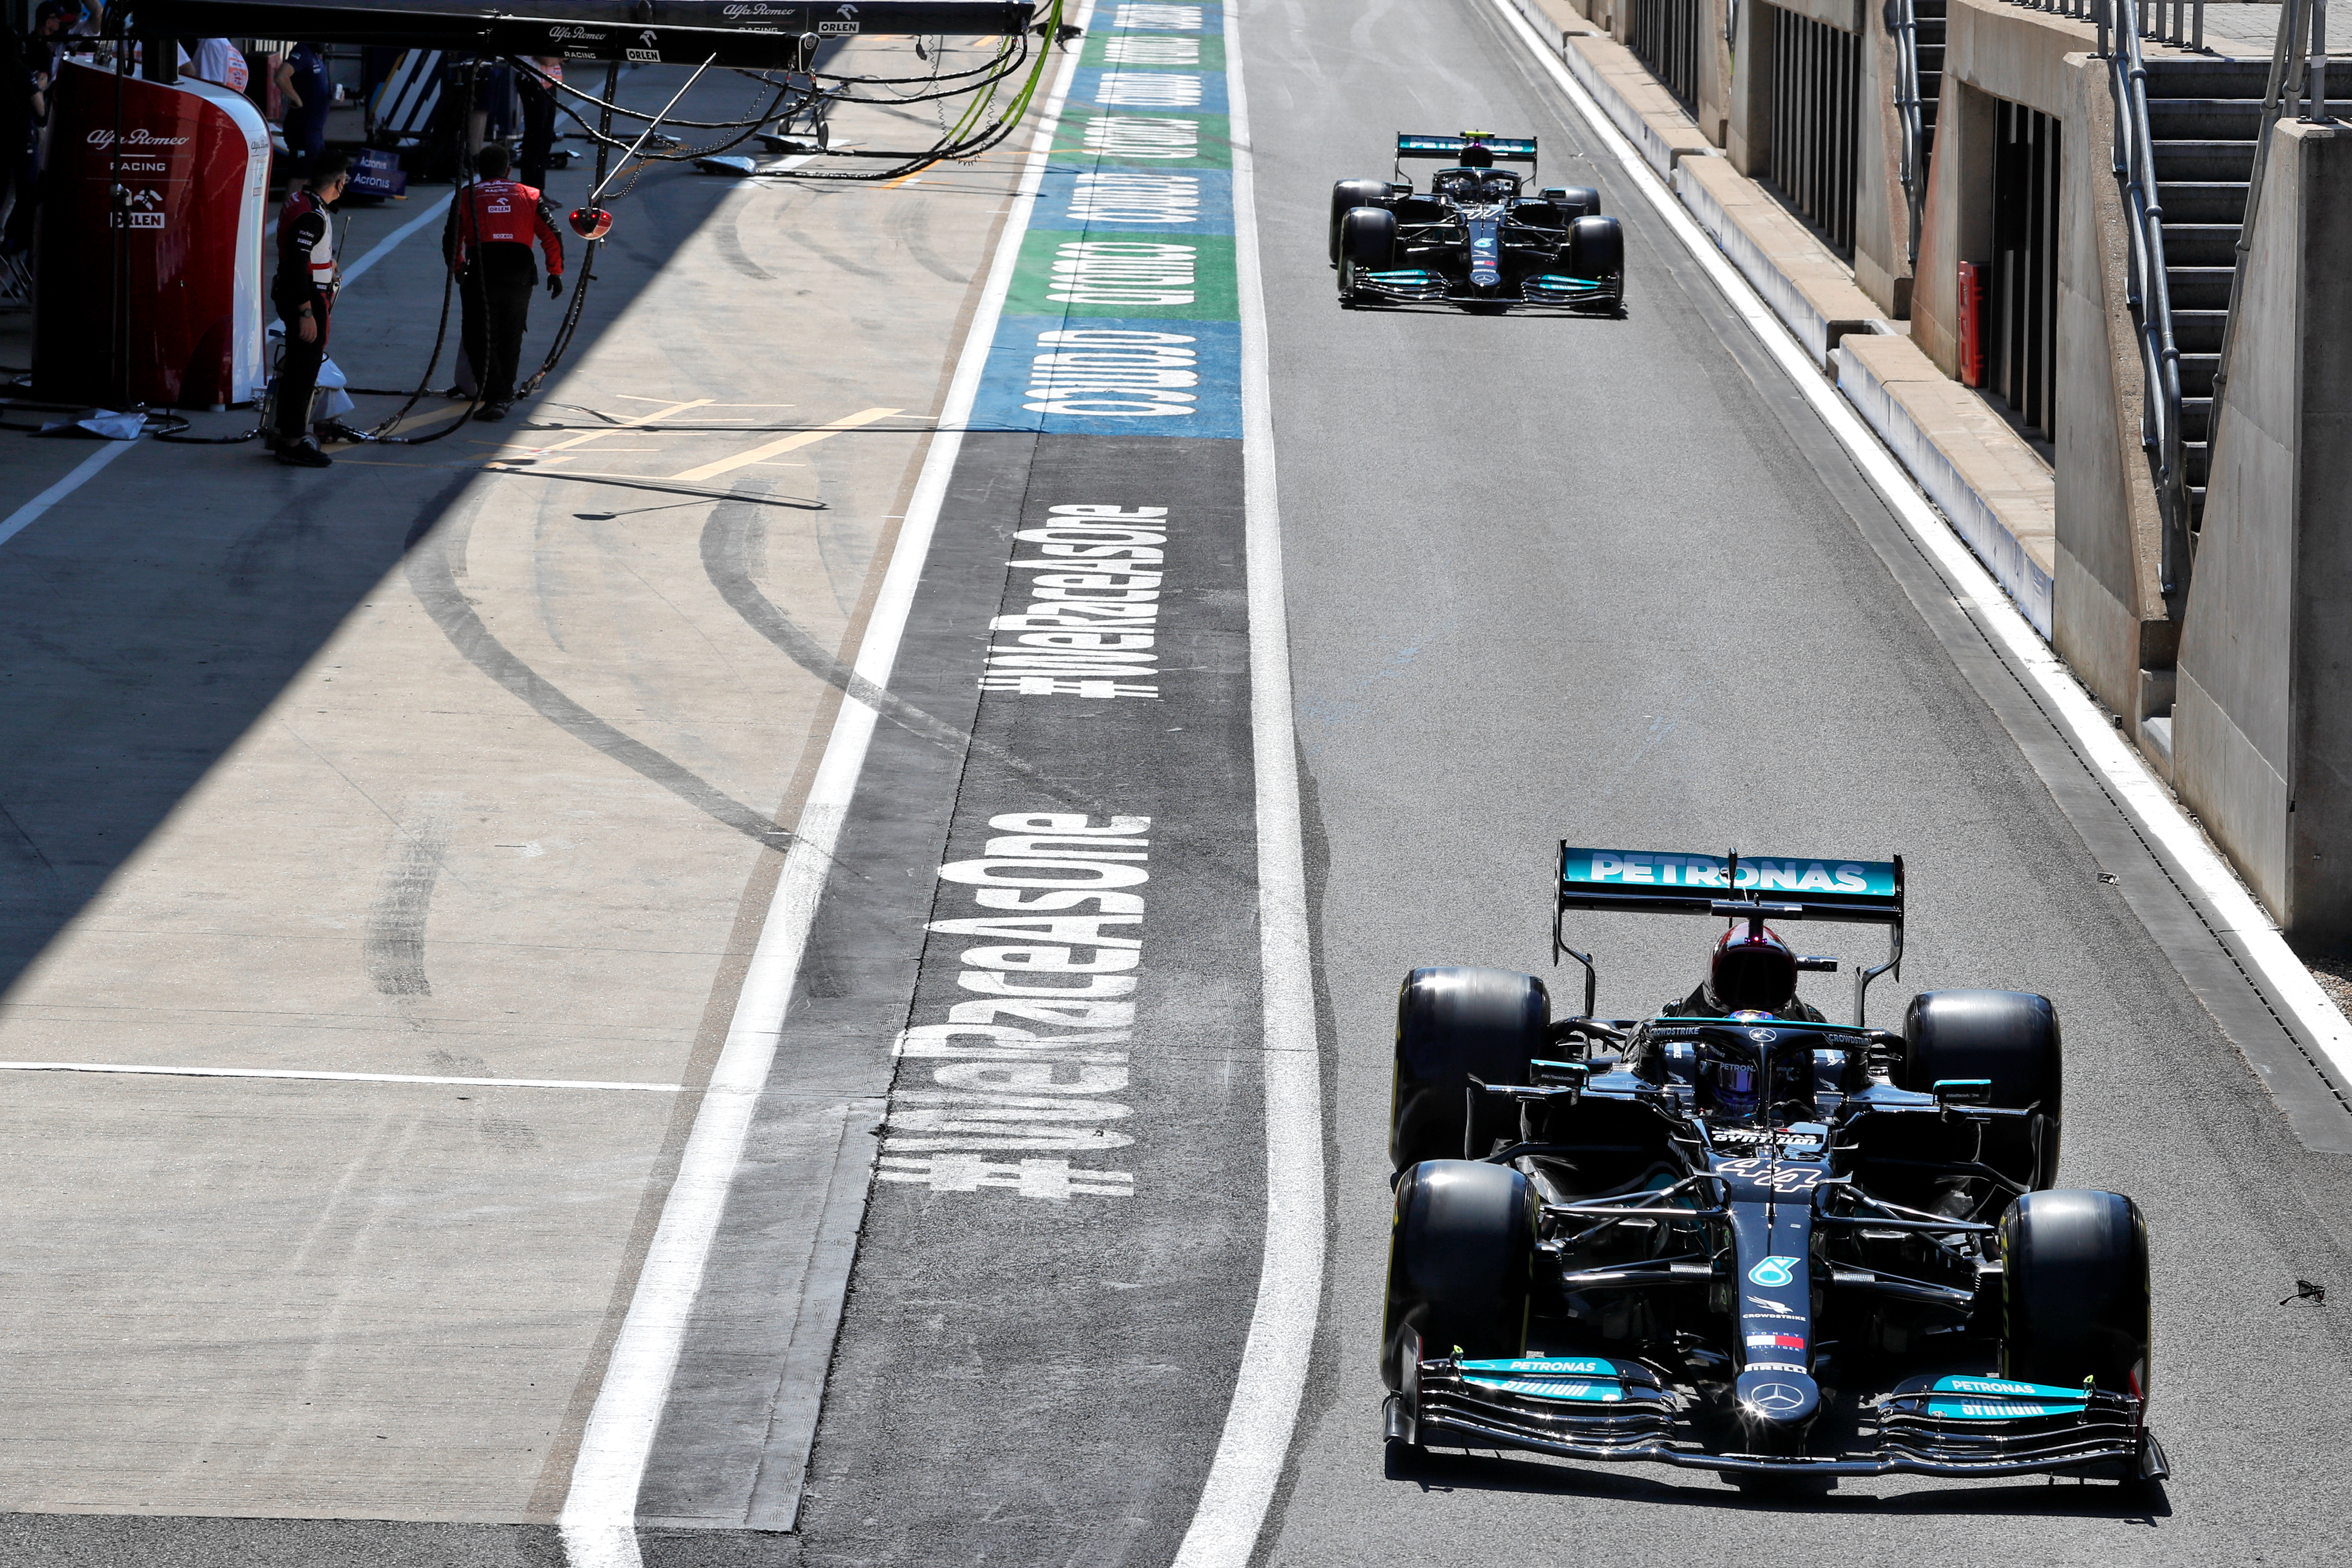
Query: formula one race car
pixel 1472 238
pixel 1735 1236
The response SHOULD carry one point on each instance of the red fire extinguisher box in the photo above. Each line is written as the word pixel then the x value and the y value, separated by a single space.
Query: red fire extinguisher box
pixel 156 298
pixel 1972 315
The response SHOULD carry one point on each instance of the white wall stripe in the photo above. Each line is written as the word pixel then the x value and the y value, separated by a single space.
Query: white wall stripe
pixel 86 470
pixel 384 247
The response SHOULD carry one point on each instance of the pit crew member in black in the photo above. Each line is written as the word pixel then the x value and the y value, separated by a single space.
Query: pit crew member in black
pixel 304 294
pixel 488 243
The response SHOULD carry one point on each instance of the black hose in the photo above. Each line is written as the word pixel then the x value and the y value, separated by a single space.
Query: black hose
pixel 578 303
pixel 462 198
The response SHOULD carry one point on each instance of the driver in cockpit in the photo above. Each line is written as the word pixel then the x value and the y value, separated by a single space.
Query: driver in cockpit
pixel 1475 182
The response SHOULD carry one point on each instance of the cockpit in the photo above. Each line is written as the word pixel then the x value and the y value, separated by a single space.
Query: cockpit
pixel 1475 185
pixel 1751 1069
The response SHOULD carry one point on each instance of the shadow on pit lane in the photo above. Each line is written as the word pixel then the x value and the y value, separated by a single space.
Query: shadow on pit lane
pixel 1456 1471
pixel 140 638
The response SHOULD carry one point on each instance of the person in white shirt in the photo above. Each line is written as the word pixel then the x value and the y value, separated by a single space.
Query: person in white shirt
pixel 220 62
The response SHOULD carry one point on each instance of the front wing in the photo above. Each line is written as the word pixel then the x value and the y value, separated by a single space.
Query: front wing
pixel 1628 1412
pixel 1544 288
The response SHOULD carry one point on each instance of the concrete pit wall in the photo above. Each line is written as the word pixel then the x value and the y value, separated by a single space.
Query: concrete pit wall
pixel 2109 619
pixel 1882 213
pixel 2263 731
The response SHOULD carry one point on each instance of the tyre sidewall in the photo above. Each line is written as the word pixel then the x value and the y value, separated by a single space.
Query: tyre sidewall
pixel 1455 1024
pixel 2075 1300
pixel 1461 1262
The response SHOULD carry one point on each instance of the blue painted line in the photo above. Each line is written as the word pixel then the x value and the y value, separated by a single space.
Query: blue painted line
pixel 1091 375
pixel 1109 202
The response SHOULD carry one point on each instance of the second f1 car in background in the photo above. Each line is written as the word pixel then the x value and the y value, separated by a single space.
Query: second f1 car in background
pixel 1475 238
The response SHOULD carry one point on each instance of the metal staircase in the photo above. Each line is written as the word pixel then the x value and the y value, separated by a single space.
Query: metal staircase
pixel 2188 131
pixel 2203 116
pixel 1917 26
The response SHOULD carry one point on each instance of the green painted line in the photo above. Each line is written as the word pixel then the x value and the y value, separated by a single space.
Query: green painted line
pixel 1110 271
pixel 1212 50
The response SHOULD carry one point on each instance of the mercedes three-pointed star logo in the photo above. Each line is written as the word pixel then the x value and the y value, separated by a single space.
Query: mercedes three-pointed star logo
pixel 1776 1397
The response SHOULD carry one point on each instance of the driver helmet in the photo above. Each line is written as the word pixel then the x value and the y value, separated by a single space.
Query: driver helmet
pixel 1729 1086
pixel 1752 971
pixel 1730 1078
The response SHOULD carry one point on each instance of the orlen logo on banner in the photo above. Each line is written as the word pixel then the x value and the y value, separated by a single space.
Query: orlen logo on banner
pixel 136 138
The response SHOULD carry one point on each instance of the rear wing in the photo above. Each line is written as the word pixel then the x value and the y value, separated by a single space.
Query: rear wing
pixel 1502 149
pixel 1643 881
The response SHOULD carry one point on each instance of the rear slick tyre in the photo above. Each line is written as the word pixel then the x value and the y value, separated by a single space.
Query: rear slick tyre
pixel 1455 1024
pixel 2010 1038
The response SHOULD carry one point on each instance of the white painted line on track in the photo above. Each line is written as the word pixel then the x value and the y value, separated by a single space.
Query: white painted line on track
pixel 337 1077
pixel 2243 923
pixel 1272 1378
pixel 384 247
pixel 32 511
pixel 86 470
pixel 598 1524
pixel 789 444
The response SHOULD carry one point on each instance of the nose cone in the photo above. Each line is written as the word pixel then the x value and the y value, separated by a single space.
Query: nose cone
pixel 1779 1398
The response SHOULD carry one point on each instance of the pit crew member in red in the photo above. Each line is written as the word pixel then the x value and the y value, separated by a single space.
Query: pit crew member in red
pixel 304 293
pixel 488 242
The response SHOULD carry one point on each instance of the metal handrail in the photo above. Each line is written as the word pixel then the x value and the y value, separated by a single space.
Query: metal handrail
pixel 2150 294
pixel 1903 23
pixel 2187 29
pixel 2291 75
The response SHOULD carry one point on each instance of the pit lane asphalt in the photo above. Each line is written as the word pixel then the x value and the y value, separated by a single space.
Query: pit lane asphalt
pixel 441 762
pixel 1601 580
pixel 1563 577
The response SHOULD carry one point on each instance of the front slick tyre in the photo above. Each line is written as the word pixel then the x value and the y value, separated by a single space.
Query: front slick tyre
pixel 1461 1255
pixel 1367 244
pixel 2074 1291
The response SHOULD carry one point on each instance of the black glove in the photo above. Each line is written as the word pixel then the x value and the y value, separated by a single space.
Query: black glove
pixel 555 285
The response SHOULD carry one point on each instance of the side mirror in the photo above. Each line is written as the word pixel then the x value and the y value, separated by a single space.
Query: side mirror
pixel 1818 965
pixel 1964 1091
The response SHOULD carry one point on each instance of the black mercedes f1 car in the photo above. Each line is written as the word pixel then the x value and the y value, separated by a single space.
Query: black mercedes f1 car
pixel 1735 1236
pixel 1474 238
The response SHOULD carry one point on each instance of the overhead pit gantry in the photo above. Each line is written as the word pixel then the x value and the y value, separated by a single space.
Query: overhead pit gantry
pixel 758 34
